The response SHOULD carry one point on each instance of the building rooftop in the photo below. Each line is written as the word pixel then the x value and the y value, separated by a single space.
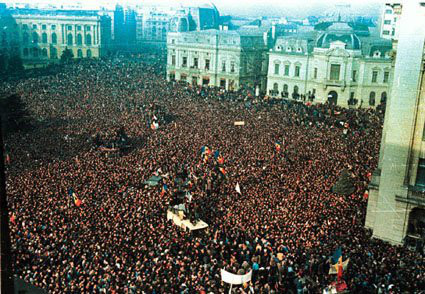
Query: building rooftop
pixel 53 12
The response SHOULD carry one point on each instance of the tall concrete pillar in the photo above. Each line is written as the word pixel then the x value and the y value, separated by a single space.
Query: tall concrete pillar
pixel 389 219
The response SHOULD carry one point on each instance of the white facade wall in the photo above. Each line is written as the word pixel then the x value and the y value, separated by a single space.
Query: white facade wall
pixel 94 34
pixel 322 59
pixel 216 48
pixel 390 17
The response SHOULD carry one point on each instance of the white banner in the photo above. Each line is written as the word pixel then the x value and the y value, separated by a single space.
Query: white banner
pixel 235 279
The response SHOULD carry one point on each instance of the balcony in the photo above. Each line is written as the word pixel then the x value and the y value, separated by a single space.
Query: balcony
pixel 415 195
pixel 334 83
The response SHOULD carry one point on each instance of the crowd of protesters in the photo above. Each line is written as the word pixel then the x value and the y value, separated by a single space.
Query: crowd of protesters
pixel 283 225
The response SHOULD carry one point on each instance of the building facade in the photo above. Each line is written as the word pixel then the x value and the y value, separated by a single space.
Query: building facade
pixel 125 28
pixel 227 59
pixel 389 20
pixel 45 34
pixel 154 22
pixel 335 66
pixel 396 205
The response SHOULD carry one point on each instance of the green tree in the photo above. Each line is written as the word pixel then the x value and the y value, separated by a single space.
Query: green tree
pixel 15 64
pixel 14 113
pixel 67 55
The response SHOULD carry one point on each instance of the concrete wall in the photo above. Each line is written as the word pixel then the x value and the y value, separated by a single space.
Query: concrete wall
pixel 391 214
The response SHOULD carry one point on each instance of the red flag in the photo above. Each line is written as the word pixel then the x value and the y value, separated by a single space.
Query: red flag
pixel 339 274
pixel 78 202
pixel 220 160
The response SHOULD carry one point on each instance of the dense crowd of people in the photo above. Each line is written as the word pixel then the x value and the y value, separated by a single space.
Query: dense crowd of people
pixel 284 225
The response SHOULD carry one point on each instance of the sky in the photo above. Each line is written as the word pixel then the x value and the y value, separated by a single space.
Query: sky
pixel 295 8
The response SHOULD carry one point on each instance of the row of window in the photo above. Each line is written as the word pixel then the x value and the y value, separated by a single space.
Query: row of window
pixel 334 73
pixel 286 70
pixel 207 62
pixel 54 39
pixel 387 33
pixel 205 81
pixel 53 27
pixel 372 95
pixel 36 52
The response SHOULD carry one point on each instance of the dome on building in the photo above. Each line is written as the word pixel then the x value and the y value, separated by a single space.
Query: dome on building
pixel 339 31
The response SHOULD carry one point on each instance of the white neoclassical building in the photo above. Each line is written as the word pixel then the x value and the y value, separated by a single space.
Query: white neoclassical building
pixel 227 59
pixel 45 34
pixel 335 65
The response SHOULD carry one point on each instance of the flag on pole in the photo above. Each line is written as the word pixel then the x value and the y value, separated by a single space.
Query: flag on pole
pixel 164 189
pixel 218 157
pixel 154 125
pixel 77 201
pixel 337 264
pixel 237 188
pixel 337 255
pixel 205 150
pixel 222 170
pixel 278 145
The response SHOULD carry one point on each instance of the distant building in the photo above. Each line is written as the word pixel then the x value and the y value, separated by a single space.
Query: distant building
pixel 125 28
pixel 335 65
pixel 227 59
pixel 389 20
pixel 154 22
pixel 396 205
pixel 45 34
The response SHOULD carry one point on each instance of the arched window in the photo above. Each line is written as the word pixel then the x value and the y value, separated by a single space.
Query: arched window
pixel 44 52
pixel 35 52
pixel 44 38
pixel 53 53
pixel 88 40
pixel 80 53
pixel 295 94
pixel 285 88
pixel 54 38
pixel 79 40
pixel 34 37
pixel 275 87
pixel 384 97
pixel 70 41
pixel 88 53
pixel 372 98
pixel 25 38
